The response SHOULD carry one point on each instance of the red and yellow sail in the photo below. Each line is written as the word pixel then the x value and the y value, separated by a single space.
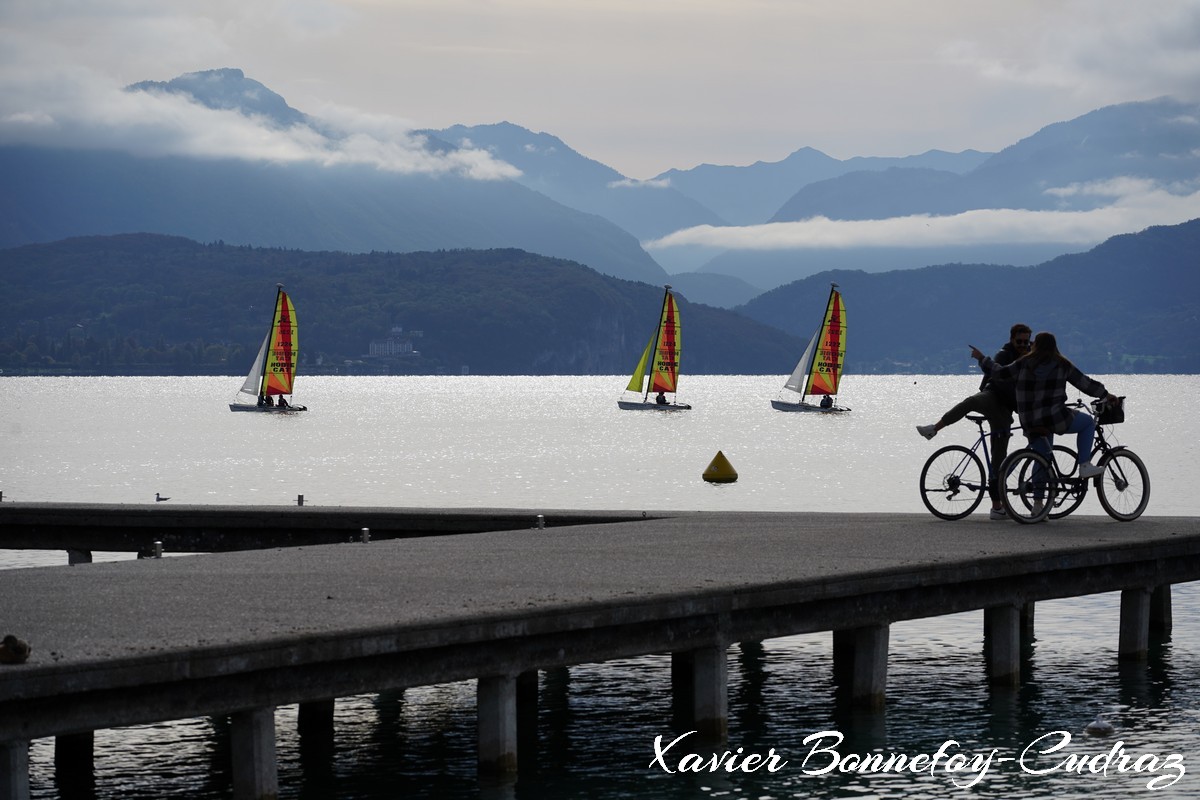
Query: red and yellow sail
pixel 825 371
pixel 280 368
pixel 665 373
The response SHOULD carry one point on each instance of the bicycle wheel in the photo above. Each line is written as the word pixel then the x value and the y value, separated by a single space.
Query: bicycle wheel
pixel 953 482
pixel 1028 480
pixel 1070 493
pixel 1124 486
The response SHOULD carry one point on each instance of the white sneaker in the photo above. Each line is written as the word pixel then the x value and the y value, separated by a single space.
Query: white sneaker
pixel 1087 470
pixel 998 513
pixel 1037 508
pixel 928 431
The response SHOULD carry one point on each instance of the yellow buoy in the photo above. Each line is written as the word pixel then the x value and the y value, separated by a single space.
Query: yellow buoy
pixel 720 470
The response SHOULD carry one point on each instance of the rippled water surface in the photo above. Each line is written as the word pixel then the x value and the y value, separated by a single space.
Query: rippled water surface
pixel 544 443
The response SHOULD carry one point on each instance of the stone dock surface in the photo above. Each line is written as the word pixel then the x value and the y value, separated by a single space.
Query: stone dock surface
pixel 159 619
pixel 242 633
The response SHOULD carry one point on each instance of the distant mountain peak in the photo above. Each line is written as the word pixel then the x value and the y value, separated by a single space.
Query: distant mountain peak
pixel 507 138
pixel 228 89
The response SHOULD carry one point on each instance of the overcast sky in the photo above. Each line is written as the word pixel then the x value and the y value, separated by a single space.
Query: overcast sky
pixel 640 85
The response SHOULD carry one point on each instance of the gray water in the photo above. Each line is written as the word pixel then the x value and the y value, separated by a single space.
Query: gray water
pixel 546 443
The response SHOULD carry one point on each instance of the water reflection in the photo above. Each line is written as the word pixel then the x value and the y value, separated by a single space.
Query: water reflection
pixel 595 724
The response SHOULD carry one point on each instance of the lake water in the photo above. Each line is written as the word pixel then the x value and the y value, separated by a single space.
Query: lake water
pixel 561 443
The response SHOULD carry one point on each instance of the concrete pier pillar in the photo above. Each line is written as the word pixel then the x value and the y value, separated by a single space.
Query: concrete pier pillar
pixel 710 697
pixel 527 692
pixel 527 709
pixel 682 678
pixel 1002 642
pixel 1160 611
pixel 1135 625
pixel 314 723
pixel 79 557
pixel 496 700
pixel 252 748
pixel 682 688
pixel 860 664
pixel 74 763
pixel 843 658
pixel 14 770
pixel 1027 615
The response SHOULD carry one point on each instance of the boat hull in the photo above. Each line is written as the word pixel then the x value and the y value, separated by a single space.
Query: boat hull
pixel 638 405
pixel 783 405
pixel 265 409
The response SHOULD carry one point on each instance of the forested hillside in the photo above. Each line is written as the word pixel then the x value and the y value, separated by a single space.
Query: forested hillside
pixel 1131 304
pixel 164 305
pixel 154 304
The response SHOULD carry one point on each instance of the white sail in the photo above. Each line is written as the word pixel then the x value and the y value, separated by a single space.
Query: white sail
pixel 799 375
pixel 253 384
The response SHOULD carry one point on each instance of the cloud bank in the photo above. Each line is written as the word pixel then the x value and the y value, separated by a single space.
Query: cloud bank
pixel 633 183
pixel 77 109
pixel 1136 204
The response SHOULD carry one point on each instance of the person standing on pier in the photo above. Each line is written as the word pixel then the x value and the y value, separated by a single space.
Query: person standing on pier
pixel 996 400
pixel 1041 379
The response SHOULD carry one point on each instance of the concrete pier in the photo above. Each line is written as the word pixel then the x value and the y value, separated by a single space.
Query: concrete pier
pixel 1160 611
pixel 1002 637
pixel 314 722
pixel 497 710
pixel 80 528
pixel 14 770
pixel 1135 624
pixel 252 743
pixel 241 634
pixel 865 669
pixel 710 696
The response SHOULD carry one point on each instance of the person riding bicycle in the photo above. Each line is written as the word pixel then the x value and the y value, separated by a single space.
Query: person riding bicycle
pixel 996 400
pixel 1041 378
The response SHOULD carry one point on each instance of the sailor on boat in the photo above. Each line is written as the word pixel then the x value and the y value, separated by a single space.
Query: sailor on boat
pixel 273 371
pixel 657 371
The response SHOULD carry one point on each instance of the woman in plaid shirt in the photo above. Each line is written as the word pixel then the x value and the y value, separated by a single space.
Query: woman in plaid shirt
pixel 1041 377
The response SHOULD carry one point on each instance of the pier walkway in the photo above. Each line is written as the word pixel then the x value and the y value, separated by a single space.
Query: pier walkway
pixel 241 633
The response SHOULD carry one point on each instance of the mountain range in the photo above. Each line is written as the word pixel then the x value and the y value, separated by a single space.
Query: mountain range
pixel 1131 304
pixel 554 201
pixel 498 210
pixel 140 303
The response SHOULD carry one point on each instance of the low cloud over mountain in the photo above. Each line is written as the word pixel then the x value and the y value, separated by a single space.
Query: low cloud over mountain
pixel 1133 204
pixel 223 114
pixel 217 155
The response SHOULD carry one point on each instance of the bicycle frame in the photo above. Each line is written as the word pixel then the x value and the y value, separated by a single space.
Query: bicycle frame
pixel 982 441
pixel 954 480
pixel 1057 484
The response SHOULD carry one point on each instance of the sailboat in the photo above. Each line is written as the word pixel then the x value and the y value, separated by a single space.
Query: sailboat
pixel 274 369
pixel 819 370
pixel 661 357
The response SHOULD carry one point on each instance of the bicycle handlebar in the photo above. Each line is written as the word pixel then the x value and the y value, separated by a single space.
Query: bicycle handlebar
pixel 1096 405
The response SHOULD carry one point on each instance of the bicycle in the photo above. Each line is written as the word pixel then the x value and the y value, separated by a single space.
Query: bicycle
pixel 1035 489
pixel 954 480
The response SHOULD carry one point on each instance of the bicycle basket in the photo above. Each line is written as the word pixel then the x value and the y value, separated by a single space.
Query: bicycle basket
pixel 1110 414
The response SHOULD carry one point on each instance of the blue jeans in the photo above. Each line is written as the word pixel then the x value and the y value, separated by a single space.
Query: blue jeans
pixel 1083 425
